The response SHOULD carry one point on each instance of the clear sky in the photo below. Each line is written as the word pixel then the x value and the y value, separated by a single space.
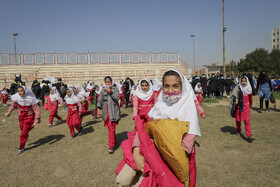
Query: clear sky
pixel 139 26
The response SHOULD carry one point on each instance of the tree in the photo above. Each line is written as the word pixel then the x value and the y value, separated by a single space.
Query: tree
pixel 274 62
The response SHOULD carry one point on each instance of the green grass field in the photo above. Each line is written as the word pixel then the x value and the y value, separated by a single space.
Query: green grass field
pixel 223 159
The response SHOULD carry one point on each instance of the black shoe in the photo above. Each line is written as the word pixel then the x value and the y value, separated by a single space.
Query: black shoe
pixel 80 132
pixel 260 111
pixel 268 110
pixel 21 150
pixel 250 139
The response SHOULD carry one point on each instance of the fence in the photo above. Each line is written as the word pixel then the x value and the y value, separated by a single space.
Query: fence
pixel 87 58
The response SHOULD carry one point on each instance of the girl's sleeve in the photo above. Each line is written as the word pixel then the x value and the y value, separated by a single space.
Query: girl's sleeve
pixel 135 106
pixel 12 107
pixel 114 93
pixel 99 101
pixel 60 101
pixel 187 142
pixel 37 113
pixel 199 108
pixel 136 141
pixel 79 106
pixel 251 99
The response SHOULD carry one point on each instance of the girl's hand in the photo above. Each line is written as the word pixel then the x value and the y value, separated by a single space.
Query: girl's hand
pixel 7 114
pixel 98 112
pixel 236 100
pixel 108 89
pixel 203 116
pixel 138 159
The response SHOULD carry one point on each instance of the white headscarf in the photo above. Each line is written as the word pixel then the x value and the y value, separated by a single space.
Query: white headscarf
pixel 142 94
pixel 245 89
pixel 157 85
pixel 27 100
pixel 4 91
pixel 120 87
pixel 55 96
pixel 90 85
pixel 99 90
pixel 133 92
pixel 184 109
pixel 197 89
pixel 82 94
pixel 72 99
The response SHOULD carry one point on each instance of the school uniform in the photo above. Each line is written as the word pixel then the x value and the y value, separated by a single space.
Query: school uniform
pixel 28 112
pixel 109 103
pixel 4 96
pixel 52 105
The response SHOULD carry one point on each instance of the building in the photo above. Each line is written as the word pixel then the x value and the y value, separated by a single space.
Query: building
pixel 214 68
pixel 275 38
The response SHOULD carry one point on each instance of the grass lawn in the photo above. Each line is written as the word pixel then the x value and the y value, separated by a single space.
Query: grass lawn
pixel 223 159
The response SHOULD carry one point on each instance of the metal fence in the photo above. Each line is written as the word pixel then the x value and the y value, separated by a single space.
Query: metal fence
pixel 87 58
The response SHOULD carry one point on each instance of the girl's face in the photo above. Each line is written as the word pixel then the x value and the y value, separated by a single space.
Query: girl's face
pixel 244 82
pixel 172 84
pixel 108 82
pixel 97 88
pixel 144 86
pixel 199 85
pixel 21 92
pixel 68 93
pixel 51 91
pixel 75 91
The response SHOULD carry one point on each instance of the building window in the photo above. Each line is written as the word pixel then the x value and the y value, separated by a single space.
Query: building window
pixel 273 40
pixel 278 46
pixel 277 33
pixel 273 46
pixel 273 34
pixel 278 39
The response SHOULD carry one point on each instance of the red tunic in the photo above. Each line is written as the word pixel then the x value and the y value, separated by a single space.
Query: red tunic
pixel 73 118
pixel 141 107
pixel 245 115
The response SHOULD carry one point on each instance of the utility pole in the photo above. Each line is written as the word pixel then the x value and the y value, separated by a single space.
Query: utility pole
pixel 193 55
pixel 224 50
pixel 15 34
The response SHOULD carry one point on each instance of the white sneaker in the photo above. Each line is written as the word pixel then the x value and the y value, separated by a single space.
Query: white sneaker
pixel 49 125
pixel 21 150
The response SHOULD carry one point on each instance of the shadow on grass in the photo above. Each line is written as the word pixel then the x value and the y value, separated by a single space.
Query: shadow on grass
pixel 123 115
pixel 62 122
pixel 48 139
pixel 120 138
pixel 88 130
pixel 90 123
pixel 232 130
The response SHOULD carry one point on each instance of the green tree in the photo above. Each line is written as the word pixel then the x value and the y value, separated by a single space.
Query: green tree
pixel 274 62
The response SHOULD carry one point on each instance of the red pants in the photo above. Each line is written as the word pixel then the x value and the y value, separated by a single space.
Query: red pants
pixel 192 168
pixel 247 127
pixel 112 133
pixel 25 126
pixel 5 98
pixel 71 128
pixel 95 113
pixel 54 116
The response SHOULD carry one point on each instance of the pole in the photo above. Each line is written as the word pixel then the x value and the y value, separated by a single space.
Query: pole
pixel 15 49
pixel 224 30
pixel 193 55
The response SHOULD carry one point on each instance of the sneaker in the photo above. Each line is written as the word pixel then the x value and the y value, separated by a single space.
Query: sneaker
pixel 49 125
pixel 268 110
pixel 80 132
pixel 72 136
pixel 111 150
pixel 21 150
pixel 260 111
pixel 250 139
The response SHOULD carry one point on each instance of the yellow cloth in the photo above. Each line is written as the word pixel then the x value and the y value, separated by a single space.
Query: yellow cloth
pixel 168 135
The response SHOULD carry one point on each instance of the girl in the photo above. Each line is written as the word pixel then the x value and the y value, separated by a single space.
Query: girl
pixel 109 103
pixel 133 92
pixel 228 85
pixel 74 112
pixel 51 104
pixel 5 96
pixel 28 111
pixel 157 87
pixel 198 92
pixel 84 98
pixel 90 88
pixel 98 89
pixel 144 99
pixel 243 95
pixel 177 100
pixel 265 88
pixel 121 89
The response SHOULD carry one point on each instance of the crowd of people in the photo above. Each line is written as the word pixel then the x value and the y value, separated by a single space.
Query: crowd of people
pixel 165 116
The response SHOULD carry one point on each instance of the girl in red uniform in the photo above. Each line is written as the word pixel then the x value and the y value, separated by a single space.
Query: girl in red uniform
pixel 198 92
pixel 243 95
pixel 144 98
pixel 84 98
pixel 74 112
pixel 90 88
pixel 5 96
pixel 28 113
pixel 52 104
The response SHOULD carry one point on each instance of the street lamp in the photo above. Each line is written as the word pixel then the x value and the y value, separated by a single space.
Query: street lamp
pixel 193 54
pixel 224 51
pixel 15 34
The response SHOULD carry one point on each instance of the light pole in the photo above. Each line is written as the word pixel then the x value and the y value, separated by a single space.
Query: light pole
pixel 224 51
pixel 193 54
pixel 15 34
